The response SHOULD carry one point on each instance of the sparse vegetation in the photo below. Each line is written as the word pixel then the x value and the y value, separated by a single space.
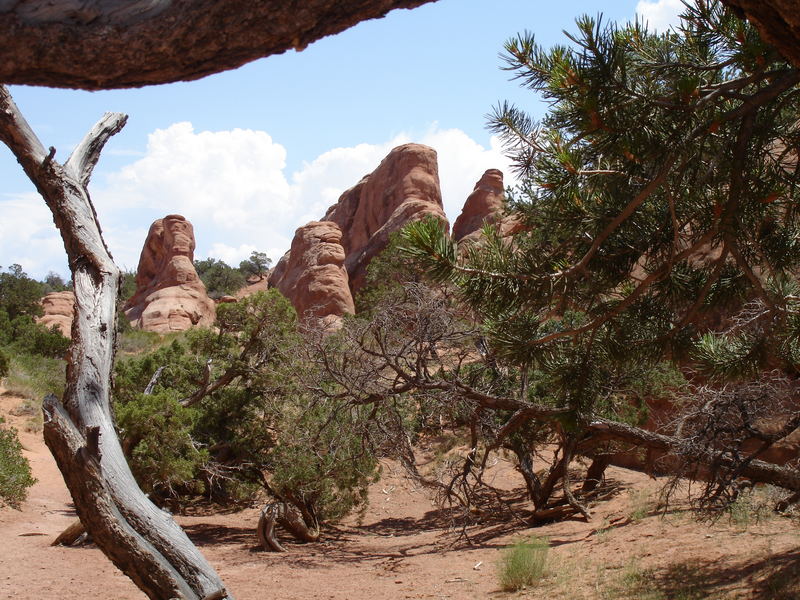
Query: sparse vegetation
pixel 523 564
pixel 229 415
pixel 676 582
pixel 15 471
pixel 641 504
pixel 33 376
pixel 750 507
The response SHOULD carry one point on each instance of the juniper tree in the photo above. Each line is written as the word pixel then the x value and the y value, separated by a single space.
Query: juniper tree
pixel 659 197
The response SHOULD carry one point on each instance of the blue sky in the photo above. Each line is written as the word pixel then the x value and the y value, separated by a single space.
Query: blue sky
pixel 249 155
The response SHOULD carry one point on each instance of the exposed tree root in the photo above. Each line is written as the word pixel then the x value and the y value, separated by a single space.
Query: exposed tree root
pixel 280 513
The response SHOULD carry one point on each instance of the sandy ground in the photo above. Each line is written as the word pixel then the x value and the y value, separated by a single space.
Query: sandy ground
pixel 402 548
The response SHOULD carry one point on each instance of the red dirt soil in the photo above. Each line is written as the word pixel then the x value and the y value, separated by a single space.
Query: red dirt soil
pixel 402 549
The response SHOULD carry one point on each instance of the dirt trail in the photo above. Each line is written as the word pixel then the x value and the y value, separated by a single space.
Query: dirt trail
pixel 401 549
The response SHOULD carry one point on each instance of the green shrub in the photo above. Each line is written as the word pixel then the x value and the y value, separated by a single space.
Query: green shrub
pixel 135 341
pixel 261 423
pixel 15 471
pixel 522 564
pixel 320 461
pixel 157 437
pixel 33 338
pixel 219 278
pixel 19 294
pixel 4 365
pixel 34 376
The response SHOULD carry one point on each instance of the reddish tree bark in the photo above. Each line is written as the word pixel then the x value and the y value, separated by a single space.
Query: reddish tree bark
pixel 103 44
pixel 778 21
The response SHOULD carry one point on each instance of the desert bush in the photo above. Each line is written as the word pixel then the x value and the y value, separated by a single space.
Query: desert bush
pixel 239 418
pixel 34 376
pixel 157 437
pixel 522 564
pixel 19 294
pixel 30 337
pixel 4 364
pixel 136 341
pixel 15 471
pixel 219 278
pixel 257 265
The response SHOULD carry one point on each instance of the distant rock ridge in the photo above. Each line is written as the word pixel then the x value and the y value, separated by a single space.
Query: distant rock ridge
pixel 483 206
pixel 169 294
pixel 59 310
pixel 403 188
pixel 313 276
pixel 335 251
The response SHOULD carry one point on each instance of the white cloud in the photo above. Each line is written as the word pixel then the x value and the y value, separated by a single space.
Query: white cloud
pixel 461 163
pixel 659 14
pixel 28 236
pixel 233 187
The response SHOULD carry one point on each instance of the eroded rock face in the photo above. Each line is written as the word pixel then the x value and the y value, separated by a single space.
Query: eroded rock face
pixel 59 309
pixel 169 294
pixel 404 188
pixel 312 274
pixel 484 205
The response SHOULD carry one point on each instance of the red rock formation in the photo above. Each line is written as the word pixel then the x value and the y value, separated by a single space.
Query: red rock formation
pixel 169 294
pixel 59 309
pixel 484 205
pixel 404 188
pixel 312 274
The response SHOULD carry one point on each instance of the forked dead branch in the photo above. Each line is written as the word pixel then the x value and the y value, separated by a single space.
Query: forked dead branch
pixel 141 539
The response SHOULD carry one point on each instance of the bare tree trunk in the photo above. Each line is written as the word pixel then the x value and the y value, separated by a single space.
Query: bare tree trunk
pixel 756 470
pixel 103 44
pixel 139 538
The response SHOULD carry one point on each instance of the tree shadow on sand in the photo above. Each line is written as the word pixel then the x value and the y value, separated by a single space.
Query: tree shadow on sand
pixel 773 577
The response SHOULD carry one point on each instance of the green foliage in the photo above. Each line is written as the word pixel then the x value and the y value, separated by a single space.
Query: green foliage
pixel 390 270
pixel 4 365
pixel 15 471
pixel 19 305
pixel 34 376
pixel 652 193
pixel 259 426
pixel 219 278
pixel 522 564
pixel 321 460
pixel 156 431
pixel 19 294
pixel 127 286
pixel 30 337
pixel 659 224
pixel 257 265
pixel 53 282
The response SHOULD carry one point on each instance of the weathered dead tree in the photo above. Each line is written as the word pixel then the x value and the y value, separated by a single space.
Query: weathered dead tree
pixel 140 539
pixel 103 44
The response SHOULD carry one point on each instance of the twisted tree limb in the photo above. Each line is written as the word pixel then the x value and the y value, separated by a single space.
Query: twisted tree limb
pixel 140 539
pixel 104 44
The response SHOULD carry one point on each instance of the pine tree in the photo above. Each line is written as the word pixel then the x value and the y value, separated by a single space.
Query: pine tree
pixel 659 196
